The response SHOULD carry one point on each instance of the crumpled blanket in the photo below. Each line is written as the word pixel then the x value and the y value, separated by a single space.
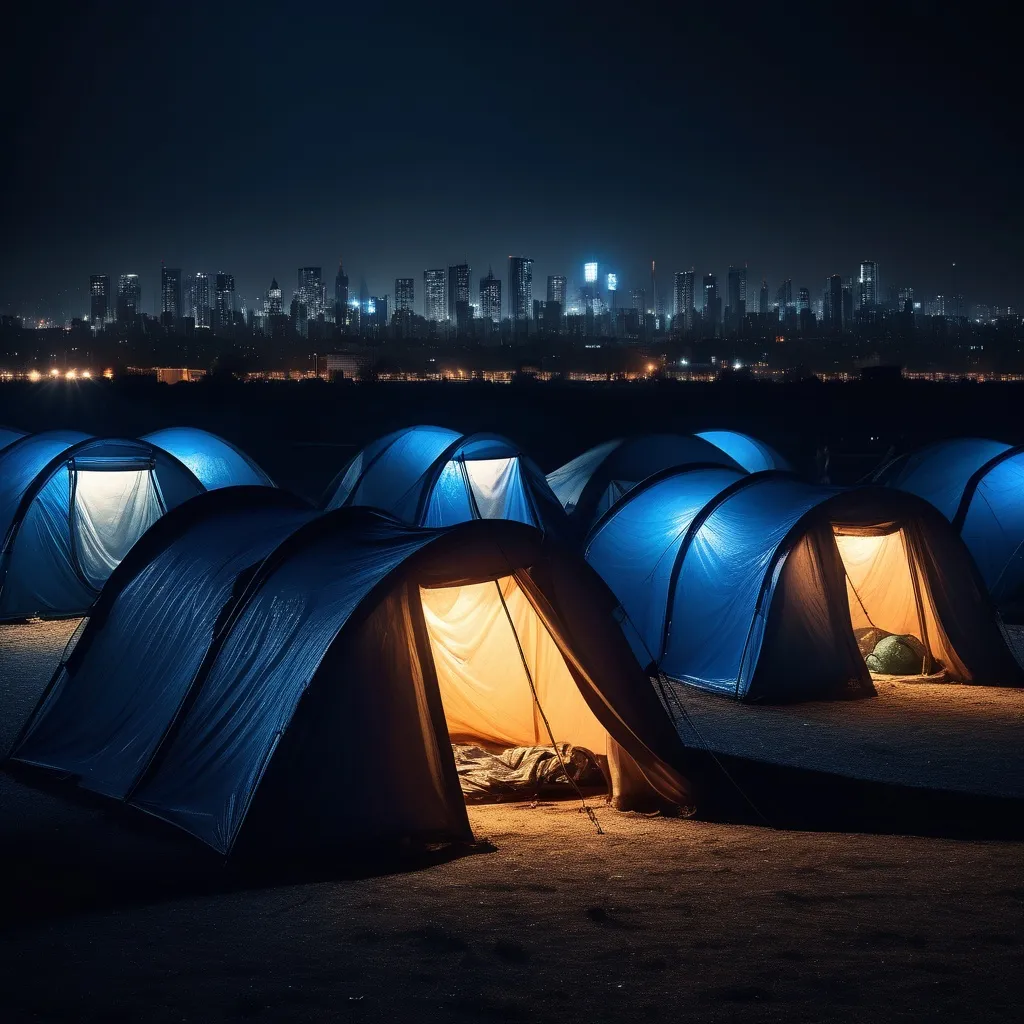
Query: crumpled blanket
pixel 522 772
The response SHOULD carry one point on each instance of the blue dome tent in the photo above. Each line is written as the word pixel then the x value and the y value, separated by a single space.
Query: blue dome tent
pixel 214 461
pixel 753 455
pixel 753 586
pixel 255 669
pixel 71 507
pixel 978 485
pixel 9 436
pixel 592 482
pixel 431 476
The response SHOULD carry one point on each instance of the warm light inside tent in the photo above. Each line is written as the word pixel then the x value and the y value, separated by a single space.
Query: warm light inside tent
pixel 484 685
pixel 113 508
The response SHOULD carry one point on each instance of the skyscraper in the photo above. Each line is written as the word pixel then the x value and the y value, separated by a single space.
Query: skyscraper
pixel 311 291
pixel 520 289
pixel 785 298
pixel 737 308
pixel 197 304
pixel 224 301
pixel 274 299
pixel 834 303
pixel 490 297
pixel 762 299
pixel 434 299
pixel 712 303
pixel 341 295
pixel 556 289
pixel 170 294
pixel 868 286
pixel 405 298
pixel 129 298
pixel 458 288
pixel 99 299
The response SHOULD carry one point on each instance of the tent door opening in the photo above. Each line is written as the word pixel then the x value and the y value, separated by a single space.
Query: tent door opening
pixel 110 510
pixel 480 636
pixel 889 608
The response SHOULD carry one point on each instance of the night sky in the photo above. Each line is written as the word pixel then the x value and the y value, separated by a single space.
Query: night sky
pixel 255 138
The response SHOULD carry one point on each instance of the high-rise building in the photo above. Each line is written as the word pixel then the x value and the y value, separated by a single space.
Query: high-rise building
pixel 340 295
pixel 520 288
pixel 490 297
pixel 404 295
pixel 803 301
pixel 458 288
pixel 311 291
pixel 129 298
pixel 274 307
pixel 170 294
pixel 834 303
pixel 435 306
pixel 737 296
pixel 785 298
pixel 556 289
pixel 99 299
pixel 638 297
pixel 867 286
pixel 590 273
pixel 712 303
pixel 224 302
pixel 378 310
pixel 762 298
pixel 197 302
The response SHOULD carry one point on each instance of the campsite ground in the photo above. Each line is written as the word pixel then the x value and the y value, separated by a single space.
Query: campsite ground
pixel 106 919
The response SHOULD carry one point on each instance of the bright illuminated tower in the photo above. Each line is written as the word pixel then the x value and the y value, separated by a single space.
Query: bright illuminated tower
pixel 434 304
pixel 458 288
pixel 224 301
pixel 404 295
pixel 520 288
pixel 311 290
pixel 490 297
pixel 556 289
pixel 170 294
pixel 198 304
pixel 868 285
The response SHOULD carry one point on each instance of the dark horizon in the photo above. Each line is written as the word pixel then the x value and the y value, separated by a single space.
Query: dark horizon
pixel 254 142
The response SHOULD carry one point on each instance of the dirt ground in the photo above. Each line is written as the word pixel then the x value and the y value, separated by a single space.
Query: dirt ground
pixel 104 919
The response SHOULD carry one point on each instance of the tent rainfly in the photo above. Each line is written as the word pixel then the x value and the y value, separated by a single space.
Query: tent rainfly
pixel 8 436
pixel 431 476
pixel 214 461
pixel 592 482
pixel 753 455
pixel 763 587
pixel 978 485
pixel 71 507
pixel 258 673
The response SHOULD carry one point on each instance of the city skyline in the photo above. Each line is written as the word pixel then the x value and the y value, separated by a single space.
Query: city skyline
pixel 692 138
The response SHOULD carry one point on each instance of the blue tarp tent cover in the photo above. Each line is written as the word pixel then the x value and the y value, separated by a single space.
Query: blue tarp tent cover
pixel 214 461
pixel 431 476
pixel 753 455
pixel 978 485
pixel 71 507
pixel 752 586
pixel 592 482
pixel 8 435
pixel 257 669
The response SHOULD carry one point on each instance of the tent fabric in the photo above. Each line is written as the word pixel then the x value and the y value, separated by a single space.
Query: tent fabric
pixel 753 455
pixel 751 586
pixel 979 486
pixel 8 436
pixel 432 476
pixel 70 509
pixel 591 483
pixel 214 461
pixel 256 668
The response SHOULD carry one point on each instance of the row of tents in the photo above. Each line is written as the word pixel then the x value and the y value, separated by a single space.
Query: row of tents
pixel 254 668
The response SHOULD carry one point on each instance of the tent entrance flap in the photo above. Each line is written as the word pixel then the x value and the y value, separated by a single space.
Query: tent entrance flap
pixel 484 687
pixel 112 510
pixel 886 594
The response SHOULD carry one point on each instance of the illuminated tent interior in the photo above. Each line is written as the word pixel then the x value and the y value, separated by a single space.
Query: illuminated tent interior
pixel 978 485
pixel 71 507
pixel 8 435
pixel 592 482
pixel 753 455
pixel 214 461
pixel 311 673
pixel 431 476
pixel 763 587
